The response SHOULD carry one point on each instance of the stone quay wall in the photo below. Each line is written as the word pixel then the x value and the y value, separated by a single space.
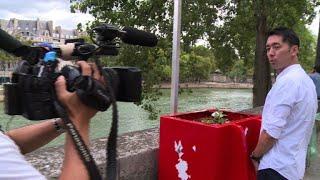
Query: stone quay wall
pixel 137 156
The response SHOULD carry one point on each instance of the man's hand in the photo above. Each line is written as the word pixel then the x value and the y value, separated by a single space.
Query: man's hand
pixel 77 111
pixel 80 114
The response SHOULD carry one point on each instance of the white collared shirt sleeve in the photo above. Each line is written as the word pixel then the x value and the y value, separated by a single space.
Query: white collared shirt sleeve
pixel 276 113
pixel 13 165
pixel 288 115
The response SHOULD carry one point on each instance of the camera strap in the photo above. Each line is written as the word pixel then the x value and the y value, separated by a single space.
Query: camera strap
pixel 81 147
pixel 111 150
pixel 111 168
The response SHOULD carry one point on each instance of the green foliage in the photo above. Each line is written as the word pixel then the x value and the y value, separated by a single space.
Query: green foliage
pixel 202 51
pixel 86 38
pixel 239 71
pixel 235 38
pixel 4 56
pixel 198 17
pixel 228 26
pixel 217 117
pixel 156 16
pixel 307 48
pixel 194 67
pixel 184 71
pixel 154 65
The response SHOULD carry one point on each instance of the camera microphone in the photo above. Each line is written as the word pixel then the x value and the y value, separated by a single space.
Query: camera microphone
pixel 137 37
pixel 12 45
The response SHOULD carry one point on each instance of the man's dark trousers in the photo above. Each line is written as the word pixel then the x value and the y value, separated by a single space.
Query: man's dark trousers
pixel 269 174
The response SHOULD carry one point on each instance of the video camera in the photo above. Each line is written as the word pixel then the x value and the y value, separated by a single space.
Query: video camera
pixel 31 90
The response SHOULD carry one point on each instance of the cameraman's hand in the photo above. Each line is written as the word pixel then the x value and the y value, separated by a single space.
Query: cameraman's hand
pixel 80 114
pixel 76 110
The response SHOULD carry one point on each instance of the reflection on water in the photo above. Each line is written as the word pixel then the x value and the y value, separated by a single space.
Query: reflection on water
pixel 133 118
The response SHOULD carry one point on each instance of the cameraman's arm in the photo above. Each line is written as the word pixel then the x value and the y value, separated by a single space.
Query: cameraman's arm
pixel 80 114
pixel 31 137
pixel 73 167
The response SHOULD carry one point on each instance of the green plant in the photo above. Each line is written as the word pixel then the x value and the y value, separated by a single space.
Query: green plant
pixel 217 117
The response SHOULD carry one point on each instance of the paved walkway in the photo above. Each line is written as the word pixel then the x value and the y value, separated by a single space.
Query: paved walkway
pixel 313 171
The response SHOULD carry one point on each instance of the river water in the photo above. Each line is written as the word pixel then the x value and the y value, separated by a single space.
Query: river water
pixel 134 118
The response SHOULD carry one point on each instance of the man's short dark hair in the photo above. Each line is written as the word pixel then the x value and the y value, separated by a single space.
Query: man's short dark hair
pixel 288 35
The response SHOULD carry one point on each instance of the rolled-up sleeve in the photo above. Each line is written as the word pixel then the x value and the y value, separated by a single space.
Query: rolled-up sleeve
pixel 278 107
pixel 275 122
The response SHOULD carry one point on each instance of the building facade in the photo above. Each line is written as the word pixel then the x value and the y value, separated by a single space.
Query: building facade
pixel 37 30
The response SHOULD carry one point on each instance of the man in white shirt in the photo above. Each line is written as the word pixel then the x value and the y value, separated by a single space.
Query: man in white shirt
pixel 15 143
pixel 288 114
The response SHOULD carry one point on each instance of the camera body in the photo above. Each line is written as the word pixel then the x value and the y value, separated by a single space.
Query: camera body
pixel 33 96
pixel 31 92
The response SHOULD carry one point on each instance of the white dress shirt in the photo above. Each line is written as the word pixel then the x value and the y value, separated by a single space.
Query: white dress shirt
pixel 288 116
pixel 13 165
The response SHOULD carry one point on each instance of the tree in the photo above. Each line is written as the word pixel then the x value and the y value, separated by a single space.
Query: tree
pixel 261 75
pixel 235 30
pixel 307 52
pixel 291 14
pixel 156 16
pixel 194 67
pixel 238 71
pixel 243 35
pixel 4 56
pixel 317 61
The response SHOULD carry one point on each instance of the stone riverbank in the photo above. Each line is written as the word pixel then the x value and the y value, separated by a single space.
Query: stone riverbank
pixel 210 85
pixel 137 156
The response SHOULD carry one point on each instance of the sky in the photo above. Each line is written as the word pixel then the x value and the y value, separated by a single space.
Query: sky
pixel 56 10
pixel 314 26
pixel 59 12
